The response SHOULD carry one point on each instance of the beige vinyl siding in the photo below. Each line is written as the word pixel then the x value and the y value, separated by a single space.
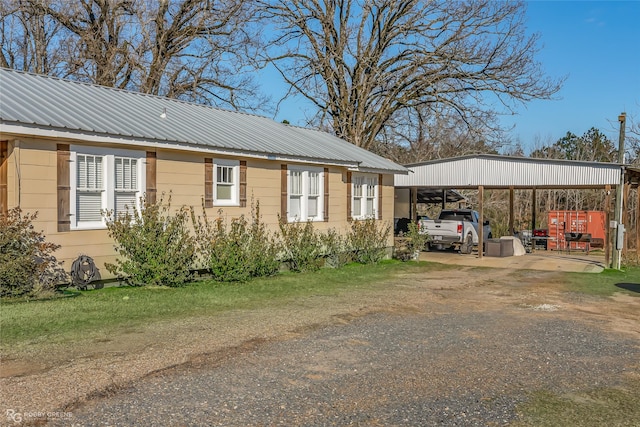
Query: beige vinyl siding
pixel 263 184
pixel 182 174
pixel 35 162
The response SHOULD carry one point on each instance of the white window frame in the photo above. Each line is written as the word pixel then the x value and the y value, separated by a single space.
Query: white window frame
pixel 235 184
pixel 360 189
pixel 94 185
pixel 307 173
pixel 108 180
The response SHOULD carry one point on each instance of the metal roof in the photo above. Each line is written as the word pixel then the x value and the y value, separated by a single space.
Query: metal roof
pixel 494 171
pixel 433 196
pixel 90 112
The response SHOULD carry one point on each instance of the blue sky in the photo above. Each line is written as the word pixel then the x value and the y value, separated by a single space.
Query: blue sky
pixel 595 44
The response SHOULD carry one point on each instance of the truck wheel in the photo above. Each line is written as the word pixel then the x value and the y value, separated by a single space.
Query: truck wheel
pixel 467 246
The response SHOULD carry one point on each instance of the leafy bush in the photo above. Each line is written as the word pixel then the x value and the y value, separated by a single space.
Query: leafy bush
pixel 27 263
pixel 154 245
pixel 302 246
pixel 418 240
pixel 238 251
pixel 368 240
pixel 264 248
pixel 335 249
pixel 228 255
pixel 402 248
pixel 408 244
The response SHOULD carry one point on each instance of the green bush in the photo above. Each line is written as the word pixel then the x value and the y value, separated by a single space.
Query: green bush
pixel 237 251
pixel 27 263
pixel 409 243
pixel 264 247
pixel 302 246
pixel 334 249
pixel 402 248
pixel 154 246
pixel 228 260
pixel 368 240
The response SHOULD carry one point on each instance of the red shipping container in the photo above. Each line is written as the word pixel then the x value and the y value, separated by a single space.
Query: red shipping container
pixel 579 222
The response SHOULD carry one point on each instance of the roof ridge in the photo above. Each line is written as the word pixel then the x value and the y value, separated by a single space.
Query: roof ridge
pixel 505 157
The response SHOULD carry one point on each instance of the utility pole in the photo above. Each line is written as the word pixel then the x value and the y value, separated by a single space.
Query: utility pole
pixel 617 216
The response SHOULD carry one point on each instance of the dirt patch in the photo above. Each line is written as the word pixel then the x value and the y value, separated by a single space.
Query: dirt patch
pixel 70 375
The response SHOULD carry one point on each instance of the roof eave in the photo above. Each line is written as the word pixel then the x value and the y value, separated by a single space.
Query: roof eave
pixel 365 169
pixel 84 136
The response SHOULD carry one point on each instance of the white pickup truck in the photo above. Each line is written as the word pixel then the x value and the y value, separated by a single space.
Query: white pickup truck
pixel 455 228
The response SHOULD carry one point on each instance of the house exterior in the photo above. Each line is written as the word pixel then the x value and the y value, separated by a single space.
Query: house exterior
pixel 71 150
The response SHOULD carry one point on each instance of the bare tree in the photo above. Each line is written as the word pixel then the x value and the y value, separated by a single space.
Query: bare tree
pixel 197 50
pixel 425 134
pixel 97 38
pixel 28 38
pixel 363 62
pixel 633 140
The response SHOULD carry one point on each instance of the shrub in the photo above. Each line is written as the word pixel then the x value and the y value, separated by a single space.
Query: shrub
pixel 368 240
pixel 237 251
pixel 402 248
pixel 264 248
pixel 334 248
pixel 27 263
pixel 228 260
pixel 301 245
pixel 408 244
pixel 154 245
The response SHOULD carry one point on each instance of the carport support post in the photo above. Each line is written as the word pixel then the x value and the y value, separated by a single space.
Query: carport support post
pixel 511 230
pixel 481 222
pixel 534 208
pixel 414 204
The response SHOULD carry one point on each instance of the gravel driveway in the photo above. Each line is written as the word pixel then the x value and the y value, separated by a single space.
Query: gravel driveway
pixel 429 351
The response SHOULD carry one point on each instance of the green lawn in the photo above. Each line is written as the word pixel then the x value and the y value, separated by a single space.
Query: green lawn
pixel 606 283
pixel 80 314
pixel 599 407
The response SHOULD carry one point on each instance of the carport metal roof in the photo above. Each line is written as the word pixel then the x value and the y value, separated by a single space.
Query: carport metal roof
pixel 487 171
pixel 493 171
pixel 432 196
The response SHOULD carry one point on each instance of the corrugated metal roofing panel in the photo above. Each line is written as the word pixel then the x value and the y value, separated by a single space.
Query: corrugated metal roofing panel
pixel 81 107
pixel 504 171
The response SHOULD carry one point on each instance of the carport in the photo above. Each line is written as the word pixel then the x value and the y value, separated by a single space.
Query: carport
pixel 486 171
